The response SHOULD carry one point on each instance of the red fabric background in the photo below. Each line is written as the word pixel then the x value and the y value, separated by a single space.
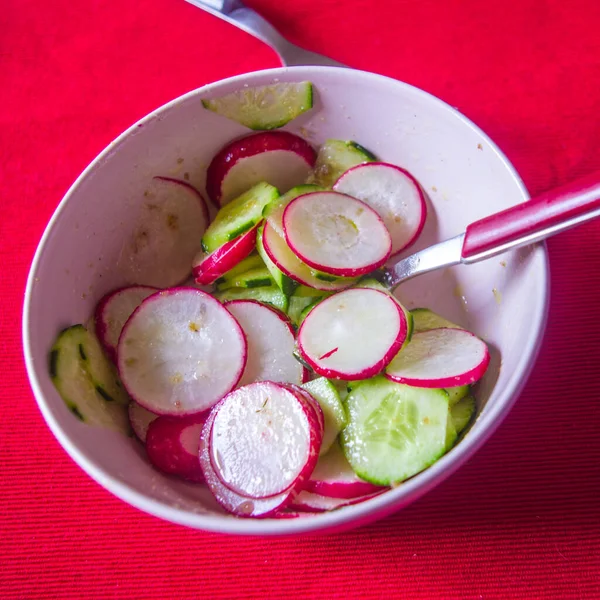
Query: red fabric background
pixel 522 519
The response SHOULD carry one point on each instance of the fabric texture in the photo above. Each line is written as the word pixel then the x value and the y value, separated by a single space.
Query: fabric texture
pixel 522 518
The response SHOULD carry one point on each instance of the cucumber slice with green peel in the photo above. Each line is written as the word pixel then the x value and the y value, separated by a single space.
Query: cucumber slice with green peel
pixel 238 216
pixel 425 319
pixel 284 200
pixel 336 157
pixel 457 393
pixel 462 413
pixel 285 283
pixel 297 306
pixel 69 370
pixel 326 394
pixel 254 261
pixel 259 277
pixel 394 431
pixel 264 107
pixel 270 295
pixel 303 291
pixel 304 312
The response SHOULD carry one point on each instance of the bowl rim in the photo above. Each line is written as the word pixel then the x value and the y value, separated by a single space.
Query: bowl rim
pixel 352 516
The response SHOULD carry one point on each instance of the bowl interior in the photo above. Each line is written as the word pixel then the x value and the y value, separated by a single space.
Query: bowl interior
pixel 465 177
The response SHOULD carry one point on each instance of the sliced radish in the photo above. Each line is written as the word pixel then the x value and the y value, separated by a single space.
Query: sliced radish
pixel 172 445
pixel 336 233
pixel 288 263
pixel 333 477
pixel 140 419
pixel 309 398
pixel 270 343
pixel 394 194
pixel 264 440
pixel 180 352
pixel 353 334
pixel 207 268
pixel 440 358
pixel 113 311
pixel 232 502
pixel 277 157
pixel 310 502
pixel 168 234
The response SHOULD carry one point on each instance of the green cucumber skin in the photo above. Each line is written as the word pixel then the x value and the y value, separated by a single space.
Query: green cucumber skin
pixel 250 263
pixel 285 283
pixel 366 401
pixel 270 295
pixel 367 153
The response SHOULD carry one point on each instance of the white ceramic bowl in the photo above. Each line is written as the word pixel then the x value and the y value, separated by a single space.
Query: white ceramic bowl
pixel 504 300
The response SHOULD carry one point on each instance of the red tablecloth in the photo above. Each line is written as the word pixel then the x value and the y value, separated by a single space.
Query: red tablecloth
pixel 522 519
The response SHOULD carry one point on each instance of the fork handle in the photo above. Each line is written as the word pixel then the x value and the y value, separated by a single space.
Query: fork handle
pixel 545 215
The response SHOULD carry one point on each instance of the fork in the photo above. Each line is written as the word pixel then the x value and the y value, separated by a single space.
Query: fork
pixel 248 20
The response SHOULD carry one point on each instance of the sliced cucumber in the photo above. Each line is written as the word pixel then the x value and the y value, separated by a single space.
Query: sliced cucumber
pixel 85 398
pixel 371 282
pixel 457 393
pixel 253 278
pixel 302 297
pixel 326 394
pixel 304 312
pixel 336 157
pixel 286 284
pixel 270 295
pixel 253 261
pixel 462 413
pixel 284 200
pixel 425 319
pixel 264 107
pixel 394 431
pixel 238 216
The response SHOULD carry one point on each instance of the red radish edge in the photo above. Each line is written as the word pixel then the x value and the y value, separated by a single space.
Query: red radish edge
pixel 224 258
pixel 138 422
pixel 315 423
pixel 308 397
pixel 366 373
pixel 169 292
pixel 190 187
pixel 232 502
pixel 338 271
pixel 410 176
pixel 100 324
pixel 167 451
pixel 248 146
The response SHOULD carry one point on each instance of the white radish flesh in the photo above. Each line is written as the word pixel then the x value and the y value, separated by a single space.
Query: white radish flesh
pixel 440 358
pixel 394 194
pixel 264 440
pixel 286 261
pixel 140 419
pixel 180 352
pixel 270 343
pixel 172 444
pixel 308 501
pixel 353 334
pixel 113 311
pixel 237 504
pixel 336 233
pixel 333 477
pixel 168 233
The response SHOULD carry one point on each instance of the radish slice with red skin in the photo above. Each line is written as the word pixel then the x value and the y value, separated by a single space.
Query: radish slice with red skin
pixel 440 358
pixel 307 397
pixel 352 335
pixel 172 445
pixel 307 501
pixel 270 339
pixel 278 157
pixel 180 352
pixel 112 313
pixel 207 268
pixel 264 440
pixel 239 505
pixel 168 234
pixel 336 234
pixel 288 263
pixel 140 419
pixel 333 477
pixel 394 194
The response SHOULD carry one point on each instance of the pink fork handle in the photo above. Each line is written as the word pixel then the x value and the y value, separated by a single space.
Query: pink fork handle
pixel 549 209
